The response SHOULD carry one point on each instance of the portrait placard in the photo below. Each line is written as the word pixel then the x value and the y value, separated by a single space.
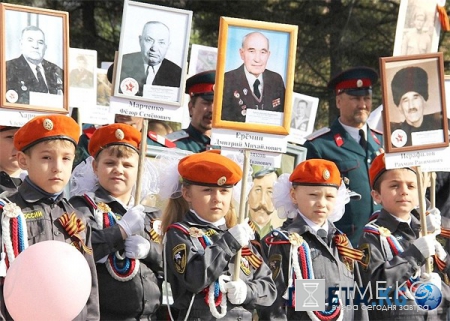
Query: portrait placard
pixel 414 114
pixel 152 60
pixel 203 58
pixel 34 59
pixel 255 76
pixel 82 78
pixel 303 117
pixel 418 28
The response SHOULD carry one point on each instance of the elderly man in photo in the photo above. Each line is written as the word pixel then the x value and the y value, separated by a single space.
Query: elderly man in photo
pixel 252 86
pixel 410 93
pixel 31 72
pixel 149 66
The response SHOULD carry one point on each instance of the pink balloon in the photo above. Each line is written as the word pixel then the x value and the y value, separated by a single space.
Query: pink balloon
pixel 50 280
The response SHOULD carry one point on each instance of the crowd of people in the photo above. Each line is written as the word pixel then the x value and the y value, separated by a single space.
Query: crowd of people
pixel 217 266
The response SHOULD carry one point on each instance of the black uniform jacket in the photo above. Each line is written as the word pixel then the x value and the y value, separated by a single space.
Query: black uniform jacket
pixel 191 268
pixel 139 297
pixel 42 214
pixel 399 268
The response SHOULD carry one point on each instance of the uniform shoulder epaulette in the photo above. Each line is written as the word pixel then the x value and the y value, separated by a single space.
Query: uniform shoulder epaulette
pixel 318 133
pixel 376 131
pixel 175 136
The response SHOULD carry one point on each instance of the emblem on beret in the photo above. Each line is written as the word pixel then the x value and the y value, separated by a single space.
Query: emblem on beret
pixel 236 94
pixel 119 134
pixel 359 83
pixel 221 181
pixel 295 239
pixel 48 124
pixel 245 91
pixel 326 174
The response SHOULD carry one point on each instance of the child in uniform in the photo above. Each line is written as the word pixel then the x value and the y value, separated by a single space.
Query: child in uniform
pixel 125 239
pixel 9 167
pixel 200 249
pixel 311 247
pixel 394 250
pixel 46 149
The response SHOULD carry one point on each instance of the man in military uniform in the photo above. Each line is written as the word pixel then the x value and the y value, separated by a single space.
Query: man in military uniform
pixel 31 72
pixel 351 144
pixel 197 136
pixel 252 86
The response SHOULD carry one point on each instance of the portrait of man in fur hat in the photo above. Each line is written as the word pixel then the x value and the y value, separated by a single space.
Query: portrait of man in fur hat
pixel 410 94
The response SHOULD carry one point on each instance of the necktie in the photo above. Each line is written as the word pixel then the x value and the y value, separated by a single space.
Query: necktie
pixel 256 88
pixel 150 73
pixel 42 87
pixel 323 235
pixel 362 140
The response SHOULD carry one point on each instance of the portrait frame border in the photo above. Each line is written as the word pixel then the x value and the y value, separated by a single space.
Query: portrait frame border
pixel 184 66
pixel 409 61
pixel 292 30
pixel 64 109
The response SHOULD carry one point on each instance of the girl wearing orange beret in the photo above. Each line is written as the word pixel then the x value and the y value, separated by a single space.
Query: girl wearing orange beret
pixel 201 244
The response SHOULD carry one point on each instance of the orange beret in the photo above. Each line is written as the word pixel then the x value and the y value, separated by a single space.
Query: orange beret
pixel 377 169
pixel 115 134
pixel 46 127
pixel 209 169
pixel 316 172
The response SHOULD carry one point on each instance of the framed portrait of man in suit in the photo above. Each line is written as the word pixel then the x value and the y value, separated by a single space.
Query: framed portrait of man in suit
pixel 152 59
pixel 414 107
pixel 34 59
pixel 255 76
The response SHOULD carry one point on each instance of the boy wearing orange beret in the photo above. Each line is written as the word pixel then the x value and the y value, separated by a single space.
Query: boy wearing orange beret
pixel 125 238
pixel 394 249
pixel 46 149
pixel 201 243
pixel 9 167
pixel 311 247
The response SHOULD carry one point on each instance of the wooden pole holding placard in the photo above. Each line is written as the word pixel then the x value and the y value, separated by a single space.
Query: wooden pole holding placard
pixel 141 166
pixel 433 189
pixel 242 209
pixel 423 215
